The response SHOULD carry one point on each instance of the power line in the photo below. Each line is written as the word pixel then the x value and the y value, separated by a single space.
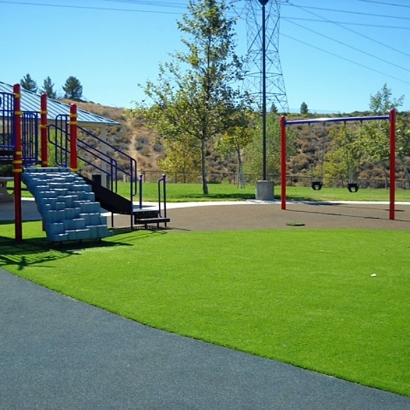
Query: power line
pixel 353 48
pixel 350 12
pixel 389 46
pixel 385 3
pixel 67 6
pixel 347 23
pixel 346 59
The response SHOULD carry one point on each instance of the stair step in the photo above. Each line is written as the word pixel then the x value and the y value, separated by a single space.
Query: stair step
pixel 146 221
pixel 66 204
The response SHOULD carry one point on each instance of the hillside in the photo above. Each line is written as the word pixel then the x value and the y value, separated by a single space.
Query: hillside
pixel 310 148
pixel 132 137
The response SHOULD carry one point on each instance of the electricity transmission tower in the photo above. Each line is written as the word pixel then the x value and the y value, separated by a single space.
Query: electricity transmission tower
pixel 264 70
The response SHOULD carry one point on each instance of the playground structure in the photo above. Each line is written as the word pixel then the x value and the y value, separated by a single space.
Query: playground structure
pixel 353 187
pixel 70 204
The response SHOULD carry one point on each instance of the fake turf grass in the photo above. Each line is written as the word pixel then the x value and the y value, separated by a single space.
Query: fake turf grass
pixel 302 297
pixel 230 192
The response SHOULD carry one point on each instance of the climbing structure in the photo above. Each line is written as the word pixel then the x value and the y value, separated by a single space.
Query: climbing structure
pixel 70 204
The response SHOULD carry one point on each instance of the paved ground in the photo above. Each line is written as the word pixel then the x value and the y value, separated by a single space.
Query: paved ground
pixel 57 353
pixel 268 215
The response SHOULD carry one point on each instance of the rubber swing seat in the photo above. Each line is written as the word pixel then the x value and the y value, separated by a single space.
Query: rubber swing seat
pixel 317 185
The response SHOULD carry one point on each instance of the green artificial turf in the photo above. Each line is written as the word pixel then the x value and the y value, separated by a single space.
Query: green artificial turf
pixel 308 297
pixel 229 192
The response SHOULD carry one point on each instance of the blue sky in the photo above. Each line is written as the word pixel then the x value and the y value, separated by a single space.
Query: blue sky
pixel 334 54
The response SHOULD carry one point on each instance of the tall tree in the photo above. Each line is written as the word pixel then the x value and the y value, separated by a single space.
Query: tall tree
pixel 236 139
pixel 194 95
pixel 28 83
pixel 304 108
pixel 345 157
pixel 183 157
pixel 48 88
pixel 376 135
pixel 253 151
pixel 73 89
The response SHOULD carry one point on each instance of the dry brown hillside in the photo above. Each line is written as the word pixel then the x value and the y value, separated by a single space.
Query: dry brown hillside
pixel 132 137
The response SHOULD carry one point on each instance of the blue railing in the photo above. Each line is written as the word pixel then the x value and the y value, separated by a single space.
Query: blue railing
pixel 162 194
pixel 30 140
pixel 98 154
pixel 58 137
pixel 7 141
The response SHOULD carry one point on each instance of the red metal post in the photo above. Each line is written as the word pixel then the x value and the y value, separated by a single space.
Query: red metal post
pixel 73 138
pixel 17 164
pixel 283 161
pixel 392 162
pixel 43 130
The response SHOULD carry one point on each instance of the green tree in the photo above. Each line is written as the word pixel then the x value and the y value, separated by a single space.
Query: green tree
pixel 382 102
pixel 344 159
pixel 73 89
pixel 184 157
pixel 304 108
pixel 48 88
pixel 28 83
pixel 193 95
pixel 236 139
pixel 375 138
pixel 253 152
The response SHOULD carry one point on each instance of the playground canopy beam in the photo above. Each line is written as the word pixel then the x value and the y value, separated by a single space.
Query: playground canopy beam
pixel 392 119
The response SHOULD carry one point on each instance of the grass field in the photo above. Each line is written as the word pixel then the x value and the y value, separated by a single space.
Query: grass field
pixel 224 192
pixel 229 192
pixel 309 298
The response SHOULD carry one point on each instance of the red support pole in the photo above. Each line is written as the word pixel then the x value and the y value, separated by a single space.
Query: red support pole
pixel 283 161
pixel 43 131
pixel 73 138
pixel 392 162
pixel 17 164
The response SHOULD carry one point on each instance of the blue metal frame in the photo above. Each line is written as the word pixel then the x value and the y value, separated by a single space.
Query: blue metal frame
pixel 61 140
pixel 7 138
pixel 61 143
pixel 30 138
pixel 333 119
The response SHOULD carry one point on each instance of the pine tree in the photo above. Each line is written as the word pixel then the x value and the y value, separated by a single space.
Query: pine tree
pixel 304 108
pixel 28 83
pixel 48 88
pixel 73 89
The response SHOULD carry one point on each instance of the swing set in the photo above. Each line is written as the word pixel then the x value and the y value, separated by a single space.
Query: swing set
pixel 317 183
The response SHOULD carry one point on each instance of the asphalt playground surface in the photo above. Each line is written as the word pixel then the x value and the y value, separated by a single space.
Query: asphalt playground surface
pixel 58 353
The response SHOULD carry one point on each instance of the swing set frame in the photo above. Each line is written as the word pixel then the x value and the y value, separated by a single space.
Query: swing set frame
pixel 284 123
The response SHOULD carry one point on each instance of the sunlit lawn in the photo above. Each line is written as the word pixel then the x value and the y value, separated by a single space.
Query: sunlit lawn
pixel 303 297
pixel 221 192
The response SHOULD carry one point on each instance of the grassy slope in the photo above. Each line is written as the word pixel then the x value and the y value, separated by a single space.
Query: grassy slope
pixel 302 297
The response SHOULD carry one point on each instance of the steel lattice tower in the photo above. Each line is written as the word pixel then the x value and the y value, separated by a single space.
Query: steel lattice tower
pixel 258 37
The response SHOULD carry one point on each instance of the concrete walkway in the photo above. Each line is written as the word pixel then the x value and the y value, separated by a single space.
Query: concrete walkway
pixel 57 353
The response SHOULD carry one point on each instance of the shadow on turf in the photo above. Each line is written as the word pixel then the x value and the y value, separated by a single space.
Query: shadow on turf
pixel 33 251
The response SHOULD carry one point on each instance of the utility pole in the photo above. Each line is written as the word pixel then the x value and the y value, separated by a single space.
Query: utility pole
pixel 264 79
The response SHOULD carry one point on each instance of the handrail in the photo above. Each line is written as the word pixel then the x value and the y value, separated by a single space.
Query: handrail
pixel 162 180
pixel 61 142
pixel 132 173
pixel 140 180
pixel 7 140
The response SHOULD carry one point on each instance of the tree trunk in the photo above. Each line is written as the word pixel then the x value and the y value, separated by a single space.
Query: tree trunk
pixel 203 166
pixel 240 170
